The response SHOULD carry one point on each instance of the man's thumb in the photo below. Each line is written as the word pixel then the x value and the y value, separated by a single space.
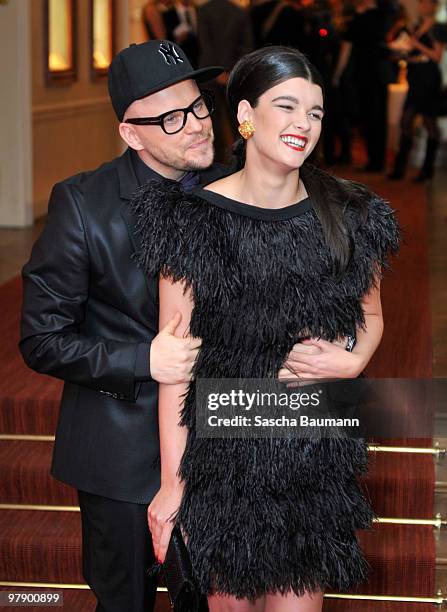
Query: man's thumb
pixel 172 324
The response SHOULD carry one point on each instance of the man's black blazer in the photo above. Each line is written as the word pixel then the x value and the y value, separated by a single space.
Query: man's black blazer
pixel 89 315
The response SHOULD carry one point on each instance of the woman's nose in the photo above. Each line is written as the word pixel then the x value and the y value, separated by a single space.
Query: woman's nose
pixel 301 121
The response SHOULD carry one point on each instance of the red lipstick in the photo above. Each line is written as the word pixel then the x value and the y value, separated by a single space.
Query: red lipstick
pixel 294 141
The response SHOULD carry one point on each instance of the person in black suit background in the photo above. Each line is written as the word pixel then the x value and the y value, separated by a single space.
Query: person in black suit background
pixel 225 35
pixel 365 39
pixel 90 317
pixel 180 22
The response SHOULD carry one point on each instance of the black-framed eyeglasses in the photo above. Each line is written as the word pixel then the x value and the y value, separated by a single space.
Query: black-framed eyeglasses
pixel 175 120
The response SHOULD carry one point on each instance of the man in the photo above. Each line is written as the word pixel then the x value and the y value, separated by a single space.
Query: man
pixel 90 317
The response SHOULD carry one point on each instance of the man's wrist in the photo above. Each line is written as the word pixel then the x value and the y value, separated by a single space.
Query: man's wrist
pixel 142 362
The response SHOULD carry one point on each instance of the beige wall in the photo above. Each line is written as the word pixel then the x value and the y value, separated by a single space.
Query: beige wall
pixel 15 116
pixel 137 33
pixel 74 128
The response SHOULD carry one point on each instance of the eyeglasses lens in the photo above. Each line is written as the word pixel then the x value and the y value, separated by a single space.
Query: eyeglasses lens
pixel 202 109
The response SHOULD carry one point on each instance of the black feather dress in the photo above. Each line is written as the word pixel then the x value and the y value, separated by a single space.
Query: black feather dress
pixel 265 515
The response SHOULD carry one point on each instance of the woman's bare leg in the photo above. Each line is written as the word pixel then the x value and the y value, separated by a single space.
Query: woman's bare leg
pixel 229 603
pixel 310 602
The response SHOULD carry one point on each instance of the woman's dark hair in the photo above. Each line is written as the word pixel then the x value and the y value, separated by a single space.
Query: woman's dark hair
pixel 252 76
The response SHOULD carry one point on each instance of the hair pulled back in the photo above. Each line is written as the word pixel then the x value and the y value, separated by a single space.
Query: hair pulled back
pixel 253 75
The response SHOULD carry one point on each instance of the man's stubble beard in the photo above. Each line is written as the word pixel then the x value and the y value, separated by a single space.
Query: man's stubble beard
pixel 194 165
pixel 167 159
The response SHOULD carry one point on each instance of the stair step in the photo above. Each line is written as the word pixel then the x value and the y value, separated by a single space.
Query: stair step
pixel 346 605
pixel 34 409
pixel 82 600
pixel 401 485
pixel 43 546
pixel 75 600
pixel 397 484
pixel 29 402
pixel 400 555
pixel 38 546
pixel 25 475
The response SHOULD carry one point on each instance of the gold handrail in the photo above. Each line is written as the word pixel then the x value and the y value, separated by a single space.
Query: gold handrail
pixel 438 451
pixel 39 507
pixel 27 437
pixel 437 522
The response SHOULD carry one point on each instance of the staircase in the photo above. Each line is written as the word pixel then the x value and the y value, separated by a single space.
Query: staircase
pixel 40 530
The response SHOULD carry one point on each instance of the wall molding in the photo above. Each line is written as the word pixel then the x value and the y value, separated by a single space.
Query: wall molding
pixel 67 110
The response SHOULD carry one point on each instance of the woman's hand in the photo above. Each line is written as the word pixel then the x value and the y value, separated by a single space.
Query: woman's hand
pixel 164 505
pixel 316 358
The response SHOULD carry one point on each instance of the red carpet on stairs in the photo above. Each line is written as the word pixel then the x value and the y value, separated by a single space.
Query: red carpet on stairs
pixel 44 546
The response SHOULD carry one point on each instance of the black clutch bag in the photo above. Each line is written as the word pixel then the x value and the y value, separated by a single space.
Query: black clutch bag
pixel 183 593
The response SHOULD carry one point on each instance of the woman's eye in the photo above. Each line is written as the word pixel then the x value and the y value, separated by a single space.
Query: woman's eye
pixel 316 116
pixel 198 105
pixel 286 107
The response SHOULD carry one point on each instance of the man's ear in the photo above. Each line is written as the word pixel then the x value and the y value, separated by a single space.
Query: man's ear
pixel 244 111
pixel 130 136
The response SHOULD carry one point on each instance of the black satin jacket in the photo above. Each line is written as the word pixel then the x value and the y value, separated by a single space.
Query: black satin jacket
pixel 89 315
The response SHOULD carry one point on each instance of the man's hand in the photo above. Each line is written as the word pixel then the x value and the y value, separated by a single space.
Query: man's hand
pixel 172 358
pixel 315 358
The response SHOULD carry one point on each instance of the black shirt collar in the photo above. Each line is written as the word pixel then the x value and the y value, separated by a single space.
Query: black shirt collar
pixel 142 171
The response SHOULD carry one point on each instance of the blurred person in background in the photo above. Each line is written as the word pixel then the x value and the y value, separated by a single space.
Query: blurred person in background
pixel 275 22
pixel 180 23
pixel 365 39
pixel 153 19
pixel 342 103
pixel 425 51
pixel 225 34
pixel 398 42
pixel 320 42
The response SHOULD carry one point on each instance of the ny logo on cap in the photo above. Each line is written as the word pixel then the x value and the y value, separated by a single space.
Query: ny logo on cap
pixel 170 54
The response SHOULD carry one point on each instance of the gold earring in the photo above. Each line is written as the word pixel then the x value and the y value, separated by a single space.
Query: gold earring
pixel 246 129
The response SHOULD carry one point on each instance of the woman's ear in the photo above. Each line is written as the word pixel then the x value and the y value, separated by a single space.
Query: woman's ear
pixel 244 111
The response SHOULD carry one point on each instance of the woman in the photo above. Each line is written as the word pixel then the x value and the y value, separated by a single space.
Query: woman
pixel 424 92
pixel 277 253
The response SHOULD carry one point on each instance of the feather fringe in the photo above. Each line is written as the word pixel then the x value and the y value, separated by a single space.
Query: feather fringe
pixel 265 515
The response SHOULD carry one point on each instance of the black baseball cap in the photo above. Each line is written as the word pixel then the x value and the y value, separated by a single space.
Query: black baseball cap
pixel 140 70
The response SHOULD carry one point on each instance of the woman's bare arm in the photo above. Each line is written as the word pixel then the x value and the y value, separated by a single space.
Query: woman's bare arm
pixel 369 339
pixel 173 299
